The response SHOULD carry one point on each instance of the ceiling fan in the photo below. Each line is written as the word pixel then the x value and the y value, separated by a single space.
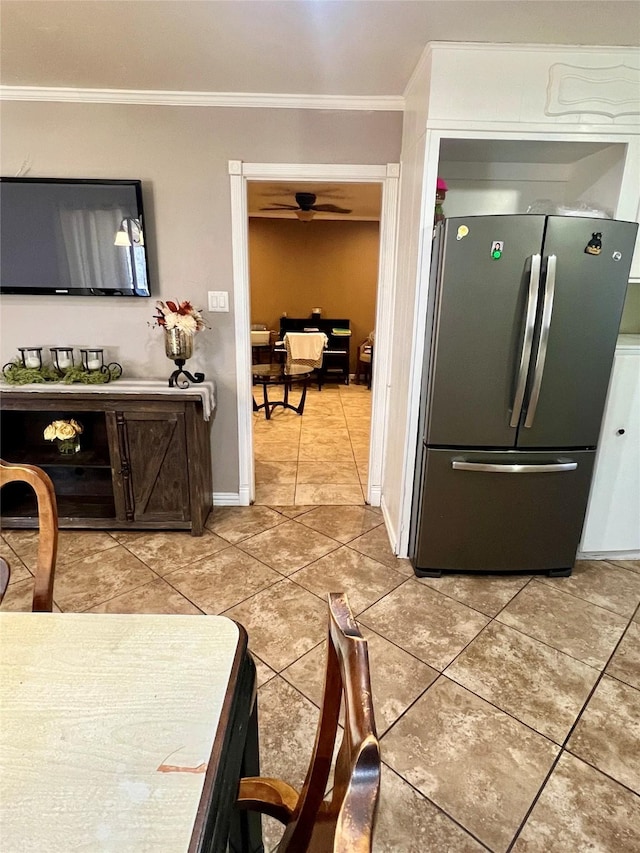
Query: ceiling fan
pixel 306 207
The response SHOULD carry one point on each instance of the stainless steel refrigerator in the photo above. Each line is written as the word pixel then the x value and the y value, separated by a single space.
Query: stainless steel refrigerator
pixel 522 329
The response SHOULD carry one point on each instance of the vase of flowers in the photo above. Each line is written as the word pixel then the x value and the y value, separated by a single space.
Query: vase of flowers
pixel 178 344
pixel 179 321
pixel 66 435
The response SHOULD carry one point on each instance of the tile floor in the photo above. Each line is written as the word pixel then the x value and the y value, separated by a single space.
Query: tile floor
pixel 318 458
pixel 508 707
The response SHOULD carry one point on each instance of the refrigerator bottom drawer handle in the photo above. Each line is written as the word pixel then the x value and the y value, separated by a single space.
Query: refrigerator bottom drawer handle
pixel 492 468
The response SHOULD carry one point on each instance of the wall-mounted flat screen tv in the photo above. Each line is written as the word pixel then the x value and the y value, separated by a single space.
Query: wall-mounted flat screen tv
pixel 72 237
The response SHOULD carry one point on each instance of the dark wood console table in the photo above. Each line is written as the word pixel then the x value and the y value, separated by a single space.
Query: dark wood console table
pixel 144 462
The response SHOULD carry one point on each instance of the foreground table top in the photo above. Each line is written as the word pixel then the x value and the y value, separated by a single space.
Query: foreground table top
pixel 111 728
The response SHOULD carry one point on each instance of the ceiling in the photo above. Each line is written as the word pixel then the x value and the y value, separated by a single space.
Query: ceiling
pixel 364 201
pixel 313 47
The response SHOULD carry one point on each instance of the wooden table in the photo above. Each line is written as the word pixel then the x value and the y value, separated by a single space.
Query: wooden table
pixel 280 374
pixel 124 733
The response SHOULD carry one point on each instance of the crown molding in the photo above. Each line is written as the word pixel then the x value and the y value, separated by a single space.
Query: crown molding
pixel 379 103
pixel 517 47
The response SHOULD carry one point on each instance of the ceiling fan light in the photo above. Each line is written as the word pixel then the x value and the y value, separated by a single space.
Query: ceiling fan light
pixel 305 215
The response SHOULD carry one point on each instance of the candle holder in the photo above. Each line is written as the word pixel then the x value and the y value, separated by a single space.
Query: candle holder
pixel 31 357
pixel 62 358
pixel 93 362
pixel 178 346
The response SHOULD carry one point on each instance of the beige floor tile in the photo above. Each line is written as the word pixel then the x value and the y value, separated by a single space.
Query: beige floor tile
pixel 294 511
pixel 288 547
pixel 625 664
pixel 397 678
pixel 164 551
pixel 474 761
pixel 322 495
pixel 275 472
pixel 287 723
pixel 363 471
pixel 19 572
pixel 98 578
pixel 361 578
pixel 531 681
pixel 431 626
pixel 569 624
pixel 409 823
pixel 275 451
pixel 235 523
pixel 608 732
pixel 632 565
pixel 263 672
pixel 581 810
pixel 72 545
pixel 486 593
pixel 325 452
pixel 334 473
pixel 375 543
pixel 19 597
pixel 218 582
pixel 272 494
pixel 322 433
pixel 342 523
pixel 601 583
pixel 283 622
pixel 154 597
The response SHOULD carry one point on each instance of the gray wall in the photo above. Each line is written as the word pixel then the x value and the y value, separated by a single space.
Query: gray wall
pixel 180 154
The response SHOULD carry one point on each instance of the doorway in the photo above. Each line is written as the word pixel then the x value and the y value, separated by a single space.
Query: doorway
pixel 385 176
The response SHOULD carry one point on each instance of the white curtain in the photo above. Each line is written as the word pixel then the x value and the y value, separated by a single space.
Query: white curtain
pixel 94 262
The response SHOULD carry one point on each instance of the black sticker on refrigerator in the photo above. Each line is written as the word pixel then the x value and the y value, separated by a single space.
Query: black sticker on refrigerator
pixel 594 246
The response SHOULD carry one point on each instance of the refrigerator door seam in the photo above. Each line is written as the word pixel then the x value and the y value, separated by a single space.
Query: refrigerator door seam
pixel 547 310
pixel 527 341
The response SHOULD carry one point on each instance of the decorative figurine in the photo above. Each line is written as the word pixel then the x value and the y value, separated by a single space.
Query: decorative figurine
pixel 594 246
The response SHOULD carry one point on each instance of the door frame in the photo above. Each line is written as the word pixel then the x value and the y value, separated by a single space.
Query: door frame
pixel 387 175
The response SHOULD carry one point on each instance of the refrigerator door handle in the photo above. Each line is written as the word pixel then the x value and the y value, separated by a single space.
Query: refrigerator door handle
pixel 527 341
pixel 547 309
pixel 496 468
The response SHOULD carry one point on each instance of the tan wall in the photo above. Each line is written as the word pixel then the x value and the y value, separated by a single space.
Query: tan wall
pixel 181 155
pixel 295 266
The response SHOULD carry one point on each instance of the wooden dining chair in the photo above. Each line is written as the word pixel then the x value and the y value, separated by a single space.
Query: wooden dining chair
pixel 344 823
pixel 48 528
pixel 5 575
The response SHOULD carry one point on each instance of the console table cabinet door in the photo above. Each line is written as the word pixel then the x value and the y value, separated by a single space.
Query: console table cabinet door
pixel 150 468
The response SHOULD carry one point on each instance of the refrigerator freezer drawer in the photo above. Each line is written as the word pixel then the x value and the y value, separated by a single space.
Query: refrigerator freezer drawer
pixel 501 511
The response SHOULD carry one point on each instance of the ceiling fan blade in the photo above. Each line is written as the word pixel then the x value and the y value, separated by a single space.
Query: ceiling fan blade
pixel 329 208
pixel 277 206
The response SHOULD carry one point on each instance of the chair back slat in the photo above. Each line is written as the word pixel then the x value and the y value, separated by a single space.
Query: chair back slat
pixel 48 528
pixel 356 785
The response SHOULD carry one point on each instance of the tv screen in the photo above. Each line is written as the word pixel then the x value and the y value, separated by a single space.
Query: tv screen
pixel 72 237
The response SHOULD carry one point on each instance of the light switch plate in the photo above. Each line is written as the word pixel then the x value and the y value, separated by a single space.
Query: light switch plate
pixel 218 300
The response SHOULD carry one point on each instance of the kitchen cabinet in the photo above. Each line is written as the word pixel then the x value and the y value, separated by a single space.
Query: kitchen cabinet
pixel 144 462
pixel 612 524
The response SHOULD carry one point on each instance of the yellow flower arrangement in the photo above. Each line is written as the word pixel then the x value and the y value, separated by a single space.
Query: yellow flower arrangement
pixel 63 430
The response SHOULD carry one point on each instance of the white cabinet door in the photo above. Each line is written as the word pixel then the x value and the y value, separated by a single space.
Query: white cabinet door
pixel 613 515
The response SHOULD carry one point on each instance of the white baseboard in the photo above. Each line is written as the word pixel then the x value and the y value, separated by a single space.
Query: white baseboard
pixel 226 499
pixel 608 555
pixel 391 531
pixel 375 495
